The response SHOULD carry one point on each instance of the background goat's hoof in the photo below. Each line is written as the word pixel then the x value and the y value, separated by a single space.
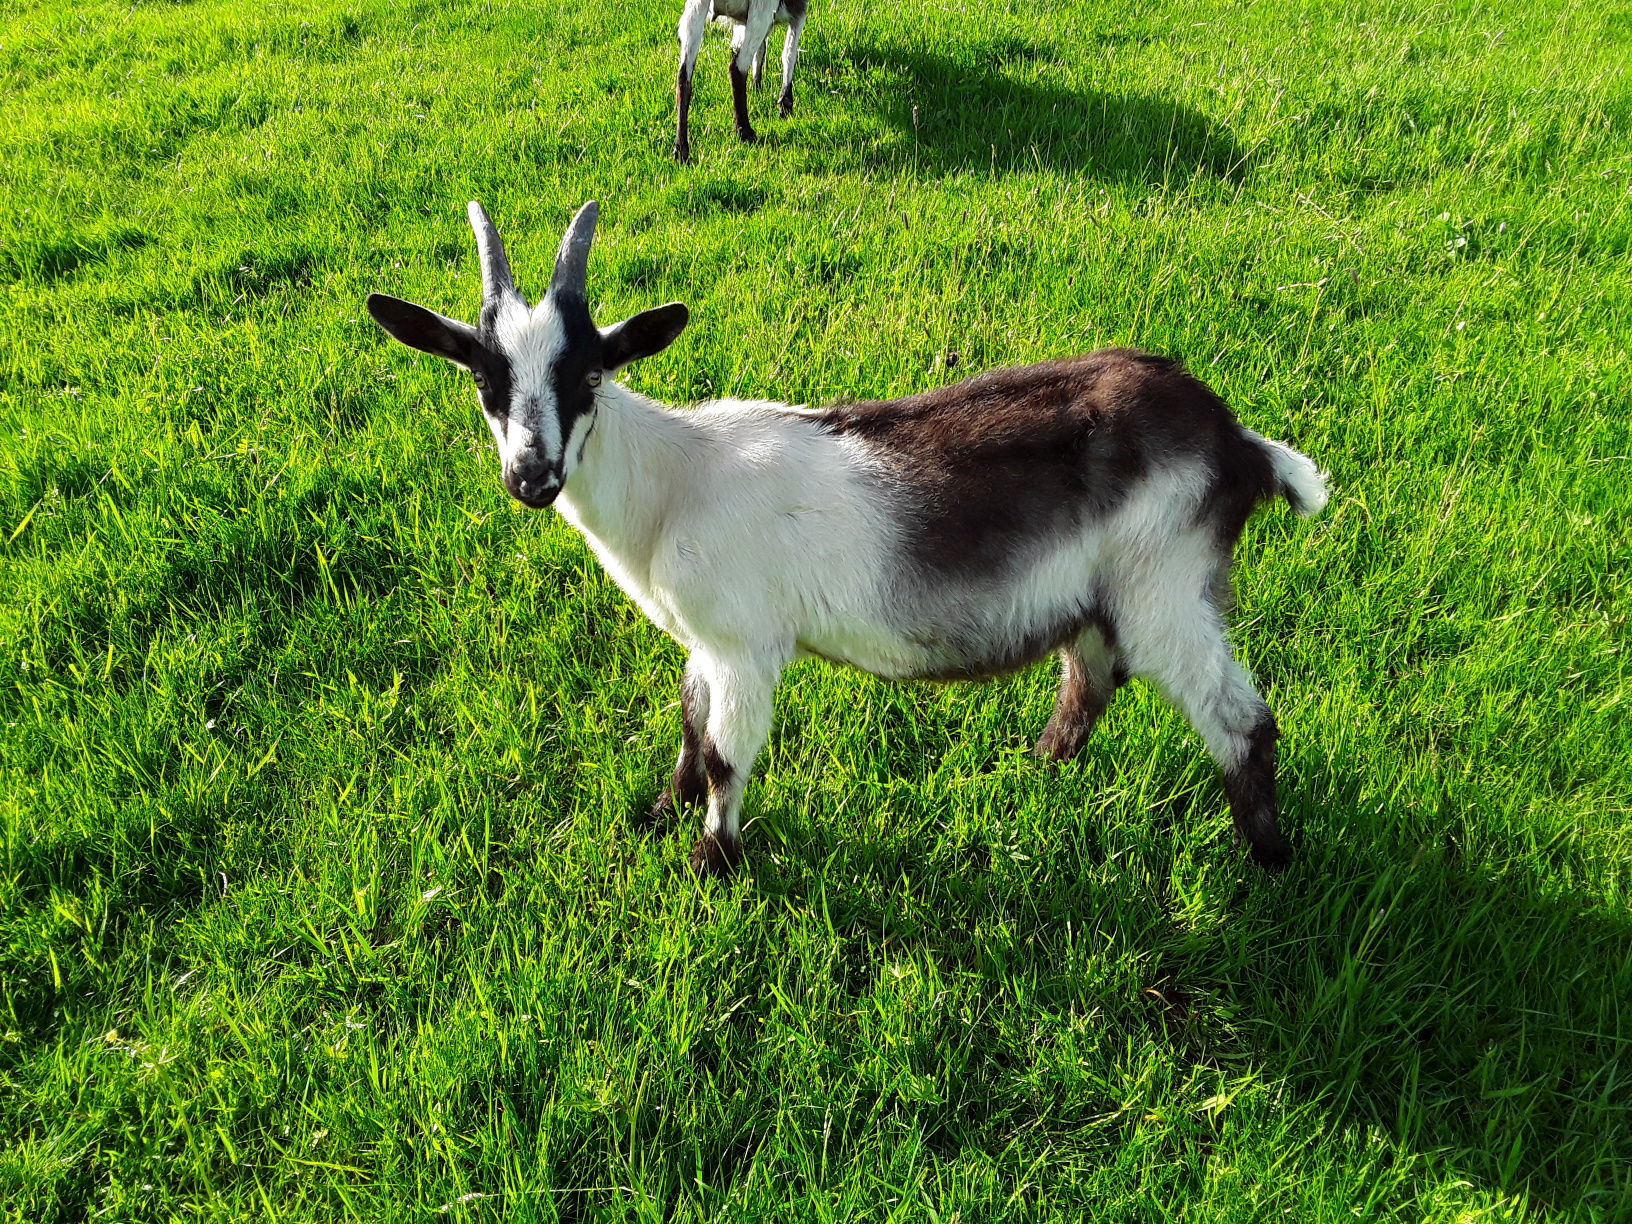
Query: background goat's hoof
pixel 715 858
pixel 784 105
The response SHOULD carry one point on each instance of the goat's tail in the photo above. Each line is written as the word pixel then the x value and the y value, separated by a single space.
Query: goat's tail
pixel 1296 477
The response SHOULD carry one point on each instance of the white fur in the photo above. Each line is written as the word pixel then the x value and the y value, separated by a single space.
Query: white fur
pixel 1303 483
pixel 735 525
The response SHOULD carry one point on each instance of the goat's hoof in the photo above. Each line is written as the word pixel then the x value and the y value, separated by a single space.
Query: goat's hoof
pixel 663 806
pixel 747 135
pixel 715 858
pixel 1273 857
pixel 682 154
pixel 1269 850
pixel 1057 745
pixel 785 106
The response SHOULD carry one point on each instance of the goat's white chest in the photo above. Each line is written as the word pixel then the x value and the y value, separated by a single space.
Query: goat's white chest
pixel 656 600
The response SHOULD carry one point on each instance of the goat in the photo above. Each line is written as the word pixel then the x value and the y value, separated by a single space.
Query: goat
pixel 751 22
pixel 1087 506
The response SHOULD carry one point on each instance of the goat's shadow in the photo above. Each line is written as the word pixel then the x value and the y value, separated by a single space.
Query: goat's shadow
pixel 1458 1008
pixel 1002 114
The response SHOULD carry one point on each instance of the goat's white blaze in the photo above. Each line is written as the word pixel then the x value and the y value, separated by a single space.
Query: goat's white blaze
pixel 533 340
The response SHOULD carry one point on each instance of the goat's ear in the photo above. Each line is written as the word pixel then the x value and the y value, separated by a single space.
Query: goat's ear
pixel 642 335
pixel 423 329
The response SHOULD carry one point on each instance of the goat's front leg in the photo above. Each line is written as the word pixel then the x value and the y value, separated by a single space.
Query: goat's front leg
pixel 689 783
pixel 748 43
pixel 693 22
pixel 739 718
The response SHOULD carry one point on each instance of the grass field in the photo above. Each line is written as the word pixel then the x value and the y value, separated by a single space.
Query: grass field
pixel 324 888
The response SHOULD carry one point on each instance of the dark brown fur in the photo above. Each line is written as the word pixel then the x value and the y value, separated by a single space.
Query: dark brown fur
pixel 719 771
pixel 714 855
pixel 689 783
pixel 715 858
pixel 1021 454
pixel 1082 699
pixel 682 106
pixel 739 104
pixel 1251 788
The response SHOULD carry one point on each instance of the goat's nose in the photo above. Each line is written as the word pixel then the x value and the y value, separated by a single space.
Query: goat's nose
pixel 535 487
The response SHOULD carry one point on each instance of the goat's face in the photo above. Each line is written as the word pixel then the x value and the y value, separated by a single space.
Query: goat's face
pixel 537 369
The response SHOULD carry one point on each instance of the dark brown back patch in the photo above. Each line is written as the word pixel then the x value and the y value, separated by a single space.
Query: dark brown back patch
pixel 1016 457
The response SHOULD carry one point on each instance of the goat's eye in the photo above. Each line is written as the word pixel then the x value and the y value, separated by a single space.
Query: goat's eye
pixel 593 378
pixel 481 382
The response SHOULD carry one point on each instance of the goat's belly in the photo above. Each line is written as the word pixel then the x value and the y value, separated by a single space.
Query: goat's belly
pixel 983 633
pixel 928 656
pixel 865 647
pixel 737 10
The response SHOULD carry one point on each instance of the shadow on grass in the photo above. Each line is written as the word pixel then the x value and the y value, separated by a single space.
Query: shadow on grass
pixel 982 118
pixel 1475 1015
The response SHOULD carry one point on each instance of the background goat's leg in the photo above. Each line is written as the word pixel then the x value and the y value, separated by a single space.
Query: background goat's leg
pixel 790 57
pixel 748 41
pixel 693 22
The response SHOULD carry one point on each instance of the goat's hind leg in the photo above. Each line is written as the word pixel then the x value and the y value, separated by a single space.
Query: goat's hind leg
pixel 1089 676
pixel 1183 648
pixel 759 64
pixel 688 784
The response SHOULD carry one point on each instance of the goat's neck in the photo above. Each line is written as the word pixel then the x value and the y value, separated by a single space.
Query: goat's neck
pixel 622 491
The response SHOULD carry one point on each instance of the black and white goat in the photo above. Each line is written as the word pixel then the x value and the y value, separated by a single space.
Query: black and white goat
pixel 751 22
pixel 1086 506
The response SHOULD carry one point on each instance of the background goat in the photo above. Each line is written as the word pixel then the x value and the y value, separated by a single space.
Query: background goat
pixel 751 22
pixel 1087 506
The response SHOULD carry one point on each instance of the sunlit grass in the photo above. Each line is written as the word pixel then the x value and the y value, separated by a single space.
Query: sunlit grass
pixel 324 890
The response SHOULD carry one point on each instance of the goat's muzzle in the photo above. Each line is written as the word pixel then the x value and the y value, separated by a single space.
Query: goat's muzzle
pixel 533 489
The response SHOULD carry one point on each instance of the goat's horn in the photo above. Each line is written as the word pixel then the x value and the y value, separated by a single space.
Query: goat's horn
pixel 496 280
pixel 572 261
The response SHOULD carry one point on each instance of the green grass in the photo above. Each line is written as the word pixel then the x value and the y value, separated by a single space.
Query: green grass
pixel 324 891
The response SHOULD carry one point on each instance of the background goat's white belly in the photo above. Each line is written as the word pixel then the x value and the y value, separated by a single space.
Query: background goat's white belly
pixel 737 10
